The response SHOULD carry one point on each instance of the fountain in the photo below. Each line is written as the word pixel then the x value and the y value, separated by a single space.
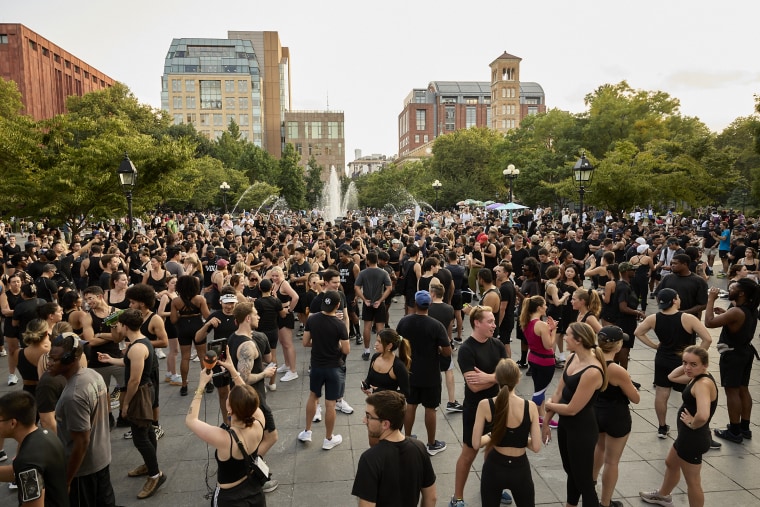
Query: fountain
pixel 331 205
pixel 270 198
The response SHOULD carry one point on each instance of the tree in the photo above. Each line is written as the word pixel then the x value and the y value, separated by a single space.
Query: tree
pixel 314 184
pixel 257 164
pixel 290 178
pixel 10 99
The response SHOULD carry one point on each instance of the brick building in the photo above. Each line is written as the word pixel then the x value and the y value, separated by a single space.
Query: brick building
pixel 45 73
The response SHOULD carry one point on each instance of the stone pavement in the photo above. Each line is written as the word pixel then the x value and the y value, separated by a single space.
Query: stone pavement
pixel 309 475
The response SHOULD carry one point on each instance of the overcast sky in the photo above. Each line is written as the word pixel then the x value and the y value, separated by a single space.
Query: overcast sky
pixel 366 57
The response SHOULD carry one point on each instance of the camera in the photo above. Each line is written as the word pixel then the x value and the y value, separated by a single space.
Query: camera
pixel 220 347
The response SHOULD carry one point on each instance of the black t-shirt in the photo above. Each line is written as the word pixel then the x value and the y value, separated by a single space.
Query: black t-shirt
pixel 25 311
pixel 579 249
pixel 445 277
pixel 392 474
pixel 425 335
pixel 326 333
pixel 483 356
pixel 691 289
pixel 458 275
pixel 48 391
pixel 40 465
pixel 507 294
pixel 268 308
pixel 518 256
pixel 226 325
pixel 624 294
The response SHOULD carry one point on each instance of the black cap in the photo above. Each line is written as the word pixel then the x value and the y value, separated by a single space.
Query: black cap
pixel 665 298
pixel 330 301
pixel 611 334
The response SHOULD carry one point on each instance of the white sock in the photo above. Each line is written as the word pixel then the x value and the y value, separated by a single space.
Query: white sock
pixel 366 350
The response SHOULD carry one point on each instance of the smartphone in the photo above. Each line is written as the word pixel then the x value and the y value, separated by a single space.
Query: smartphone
pixel 365 387
pixel 220 347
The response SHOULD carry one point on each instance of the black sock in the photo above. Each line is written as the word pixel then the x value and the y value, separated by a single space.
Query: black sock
pixel 155 423
pixel 736 429
pixel 523 356
pixel 744 424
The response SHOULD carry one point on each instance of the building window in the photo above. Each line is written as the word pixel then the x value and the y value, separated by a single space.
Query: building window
pixel 218 133
pixel 450 118
pixel 218 119
pixel 471 100
pixel 190 102
pixel 76 69
pixel 416 139
pixel 211 94
pixel 86 75
pixel 177 119
pixel 532 100
pixel 33 47
pixel 190 118
pixel 448 100
pixel 189 85
pixel 3 38
pixel 229 86
pixel 488 116
pixel 242 85
pixel 243 120
pixel 299 148
pixel 67 64
pixel 425 138
pixel 333 130
pixel 243 103
pixel 292 130
pixel 177 102
pixel 421 119
pixel 231 118
pixel 176 85
pixel 470 117
pixel 205 120
pixel 229 103
pixel 532 110
pixel 316 130
pixel 56 58
pixel 46 52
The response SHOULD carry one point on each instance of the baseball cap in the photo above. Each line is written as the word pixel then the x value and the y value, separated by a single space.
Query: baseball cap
pixel 665 298
pixel 222 263
pixel 625 266
pixel 642 249
pixel 228 298
pixel 482 237
pixel 395 241
pixel 422 299
pixel 611 334
pixel 331 301
pixel 265 285
pixel 641 241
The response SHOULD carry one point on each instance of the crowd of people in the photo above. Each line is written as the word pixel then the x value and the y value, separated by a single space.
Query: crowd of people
pixel 86 322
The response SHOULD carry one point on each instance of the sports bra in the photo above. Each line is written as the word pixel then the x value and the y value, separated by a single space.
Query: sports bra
pixel 233 469
pixel 514 437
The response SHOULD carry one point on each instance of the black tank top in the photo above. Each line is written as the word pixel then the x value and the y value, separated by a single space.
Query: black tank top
pixel 67 316
pixel 147 368
pixel 94 271
pixel 572 381
pixel 690 404
pixel 514 437
pixel 673 337
pixel 613 395
pixel 110 348
pixel 743 337
pixel 233 469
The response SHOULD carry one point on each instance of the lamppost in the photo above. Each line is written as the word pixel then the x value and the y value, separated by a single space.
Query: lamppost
pixel 128 178
pixel 582 172
pixel 437 186
pixel 224 187
pixel 511 174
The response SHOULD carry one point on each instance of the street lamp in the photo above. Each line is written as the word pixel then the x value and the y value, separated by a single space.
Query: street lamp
pixel 582 171
pixel 128 178
pixel 510 173
pixel 224 187
pixel 437 186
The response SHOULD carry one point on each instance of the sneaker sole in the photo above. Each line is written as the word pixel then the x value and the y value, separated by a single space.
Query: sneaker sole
pixel 454 410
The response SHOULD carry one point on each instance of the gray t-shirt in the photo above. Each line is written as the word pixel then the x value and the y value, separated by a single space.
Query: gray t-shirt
pixel 84 406
pixel 373 282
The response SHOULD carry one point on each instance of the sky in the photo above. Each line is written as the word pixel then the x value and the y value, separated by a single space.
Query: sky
pixel 364 58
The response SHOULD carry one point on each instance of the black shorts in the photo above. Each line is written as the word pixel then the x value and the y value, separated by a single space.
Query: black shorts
pixel 736 367
pixel 723 254
pixel 220 380
pixel 288 321
pixel 428 396
pixel 372 314
pixel 186 329
pixel 456 302
pixel 542 376
pixel 663 365
pixel 505 331
pixel 268 417
pixel 272 337
pixel 301 305
pixel 327 377
pixel 468 423
pixel 613 419
pixel 690 444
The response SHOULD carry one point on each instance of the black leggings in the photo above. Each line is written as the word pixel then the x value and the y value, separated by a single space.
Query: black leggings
pixel 506 472
pixel 576 448
pixel 144 440
pixel 640 287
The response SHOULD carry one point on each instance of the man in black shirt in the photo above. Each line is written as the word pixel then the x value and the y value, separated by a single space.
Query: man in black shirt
pixel 39 468
pixel 428 339
pixel 477 358
pixel 396 471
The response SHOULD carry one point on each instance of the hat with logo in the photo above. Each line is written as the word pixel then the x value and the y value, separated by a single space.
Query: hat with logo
pixel 422 299
pixel 228 298
pixel 625 266
pixel 665 298
pixel 330 301
pixel 611 334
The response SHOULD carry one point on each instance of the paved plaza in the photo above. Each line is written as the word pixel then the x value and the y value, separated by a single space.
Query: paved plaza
pixel 309 475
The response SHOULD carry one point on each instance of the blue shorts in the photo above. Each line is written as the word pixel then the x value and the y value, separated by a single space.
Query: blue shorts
pixel 327 377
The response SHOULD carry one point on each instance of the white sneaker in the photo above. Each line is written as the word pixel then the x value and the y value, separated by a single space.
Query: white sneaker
pixel 305 436
pixel 344 407
pixel 329 444
pixel 175 380
pixel 3 353
pixel 283 368
pixel 272 387
pixel 160 354
pixel 12 379
pixel 12 485
pixel 318 414
pixel 291 375
pixel 168 376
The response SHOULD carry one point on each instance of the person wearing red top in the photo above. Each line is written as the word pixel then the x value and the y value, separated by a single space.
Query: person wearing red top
pixel 540 336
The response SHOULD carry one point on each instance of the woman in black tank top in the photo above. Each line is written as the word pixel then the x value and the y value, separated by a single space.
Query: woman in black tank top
pixel 510 420
pixel 188 312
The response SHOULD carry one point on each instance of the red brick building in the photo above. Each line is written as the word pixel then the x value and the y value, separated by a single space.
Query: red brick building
pixel 45 73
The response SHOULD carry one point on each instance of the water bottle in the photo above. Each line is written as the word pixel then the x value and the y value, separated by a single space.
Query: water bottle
pixel 113 318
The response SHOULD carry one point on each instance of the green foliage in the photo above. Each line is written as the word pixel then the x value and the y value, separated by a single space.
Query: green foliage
pixel 314 183
pixel 10 99
pixel 291 178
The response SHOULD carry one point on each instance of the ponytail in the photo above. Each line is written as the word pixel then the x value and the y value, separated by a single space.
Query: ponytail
pixel 404 352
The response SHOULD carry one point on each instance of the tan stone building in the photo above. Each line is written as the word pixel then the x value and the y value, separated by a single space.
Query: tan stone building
pixel 320 134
